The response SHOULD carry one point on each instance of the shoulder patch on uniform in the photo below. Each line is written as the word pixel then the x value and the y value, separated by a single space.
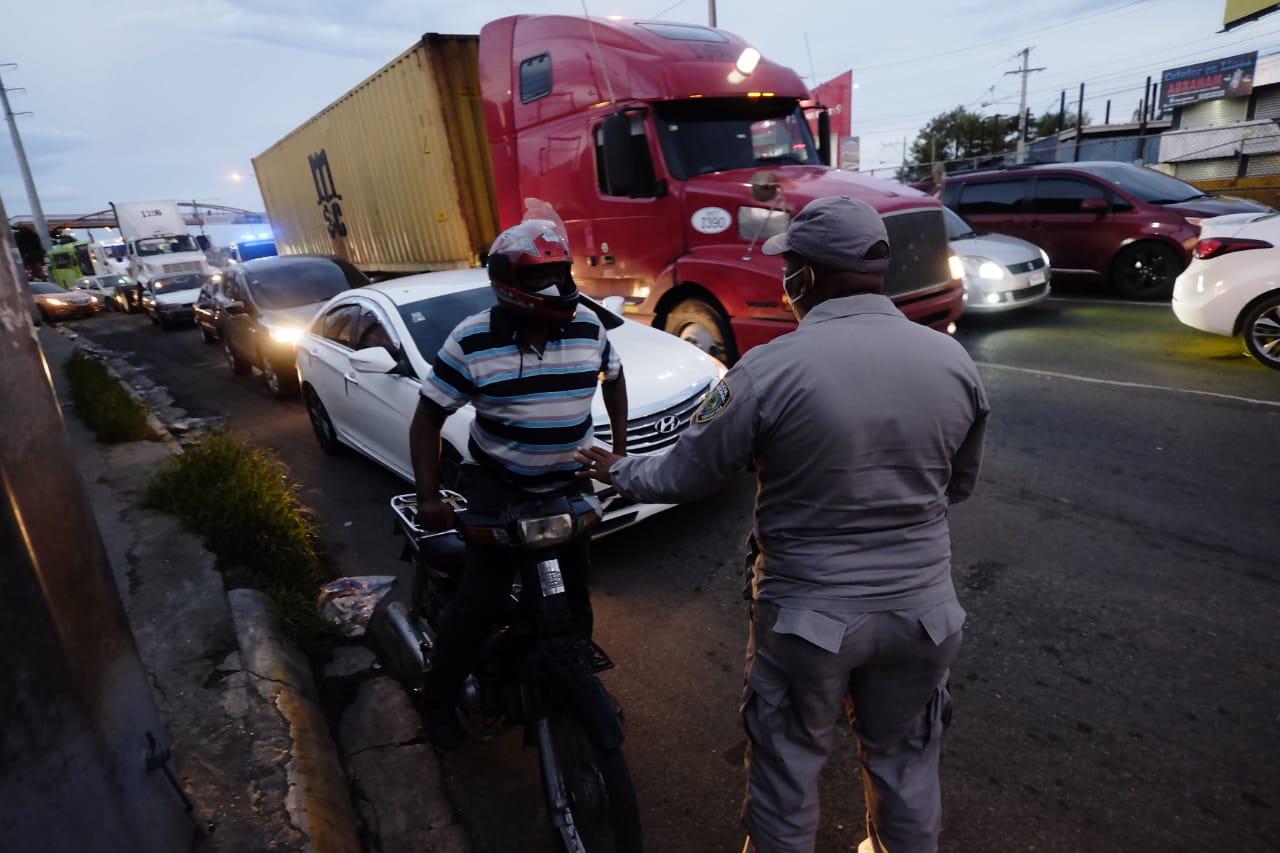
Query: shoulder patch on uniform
pixel 716 401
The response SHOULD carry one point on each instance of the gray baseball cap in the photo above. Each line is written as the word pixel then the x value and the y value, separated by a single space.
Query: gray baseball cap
pixel 836 231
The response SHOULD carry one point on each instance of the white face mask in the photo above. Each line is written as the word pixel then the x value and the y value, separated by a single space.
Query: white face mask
pixel 796 296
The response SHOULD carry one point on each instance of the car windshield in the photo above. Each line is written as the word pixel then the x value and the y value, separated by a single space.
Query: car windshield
pixel 116 251
pixel 431 320
pixel 717 134
pixel 291 282
pixel 1147 184
pixel 172 284
pixel 957 228
pixel 45 287
pixel 167 245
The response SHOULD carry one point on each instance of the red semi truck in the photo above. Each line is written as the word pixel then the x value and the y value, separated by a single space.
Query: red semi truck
pixel 671 152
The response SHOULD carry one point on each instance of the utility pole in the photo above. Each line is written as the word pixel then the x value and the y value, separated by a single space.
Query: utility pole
pixel 37 214
pixel 1025 53
pixel 711 12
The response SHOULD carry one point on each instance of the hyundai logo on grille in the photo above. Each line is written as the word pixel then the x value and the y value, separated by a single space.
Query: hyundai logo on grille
pixel 667 424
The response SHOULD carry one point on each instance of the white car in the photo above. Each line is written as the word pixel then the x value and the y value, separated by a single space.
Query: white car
pixel 1000 273
pixel 1232 285
pixel 362 359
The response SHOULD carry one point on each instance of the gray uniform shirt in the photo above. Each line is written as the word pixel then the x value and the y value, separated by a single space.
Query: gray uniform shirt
pixel 863 427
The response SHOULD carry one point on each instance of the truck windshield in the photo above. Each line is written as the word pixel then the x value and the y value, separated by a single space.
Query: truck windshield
pixel 718 134
pixel 167 245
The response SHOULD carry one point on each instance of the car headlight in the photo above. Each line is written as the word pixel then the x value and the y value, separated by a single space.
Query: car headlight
pixel 1045 255
pixel 988 270
pixel 55 301
pixel 957 266
pixel 285 334
pixel 216 278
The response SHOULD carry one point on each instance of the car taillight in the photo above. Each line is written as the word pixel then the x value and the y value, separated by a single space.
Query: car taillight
pixel 1212 247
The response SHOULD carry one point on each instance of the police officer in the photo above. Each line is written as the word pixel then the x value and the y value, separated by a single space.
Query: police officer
pixel 864 428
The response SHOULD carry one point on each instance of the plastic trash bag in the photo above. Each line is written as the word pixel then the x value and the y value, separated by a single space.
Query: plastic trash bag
pixel 349 602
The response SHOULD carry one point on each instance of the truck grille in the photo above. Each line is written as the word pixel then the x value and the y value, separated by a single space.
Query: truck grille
pixel 185 266
pixel 919 254
pixel 661 429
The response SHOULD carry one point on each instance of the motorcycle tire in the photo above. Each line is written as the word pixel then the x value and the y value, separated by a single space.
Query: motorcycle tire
pixel 591 800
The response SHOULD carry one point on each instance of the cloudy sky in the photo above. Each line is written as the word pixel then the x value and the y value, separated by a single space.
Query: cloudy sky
pixel 152 99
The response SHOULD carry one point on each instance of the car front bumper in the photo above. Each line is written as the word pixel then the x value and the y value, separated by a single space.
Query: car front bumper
pixel 985 296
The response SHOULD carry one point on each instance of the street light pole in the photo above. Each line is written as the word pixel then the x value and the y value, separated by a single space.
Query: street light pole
pixel 711 12
pixel 37 214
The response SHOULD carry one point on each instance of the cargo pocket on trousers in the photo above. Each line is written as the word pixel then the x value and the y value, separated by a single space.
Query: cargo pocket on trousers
pixel 763 707
pixel 938 711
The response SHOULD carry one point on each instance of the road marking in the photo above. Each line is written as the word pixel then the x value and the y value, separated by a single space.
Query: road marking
pixel 1096 381
pixel 1125 302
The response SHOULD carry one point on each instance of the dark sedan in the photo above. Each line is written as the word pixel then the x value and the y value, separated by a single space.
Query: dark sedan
pixel 264 305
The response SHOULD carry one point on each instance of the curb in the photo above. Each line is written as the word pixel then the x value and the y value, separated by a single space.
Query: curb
pixel 319 795
pixel 319 799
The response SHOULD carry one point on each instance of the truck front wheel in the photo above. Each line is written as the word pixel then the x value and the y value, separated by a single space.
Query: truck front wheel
pixel 704 326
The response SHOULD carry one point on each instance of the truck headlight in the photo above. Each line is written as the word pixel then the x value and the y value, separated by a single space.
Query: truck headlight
pixel 761 223
pixel 957 266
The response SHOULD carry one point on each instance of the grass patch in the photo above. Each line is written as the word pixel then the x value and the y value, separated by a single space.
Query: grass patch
pixel 240 498
pixel 103 404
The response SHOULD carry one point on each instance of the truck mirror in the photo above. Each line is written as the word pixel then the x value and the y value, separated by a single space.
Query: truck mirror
pixel 619 165
pixel 765 186
pixel 824 137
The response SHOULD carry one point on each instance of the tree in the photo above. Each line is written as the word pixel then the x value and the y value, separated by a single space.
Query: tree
pixel 1047 123
pixel 30 249
pixel 960 134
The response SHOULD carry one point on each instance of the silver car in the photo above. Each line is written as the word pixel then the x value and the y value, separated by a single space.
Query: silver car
pixel 1001 273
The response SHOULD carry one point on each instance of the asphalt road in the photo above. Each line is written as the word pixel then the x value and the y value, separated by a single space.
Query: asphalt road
pixel 1118 687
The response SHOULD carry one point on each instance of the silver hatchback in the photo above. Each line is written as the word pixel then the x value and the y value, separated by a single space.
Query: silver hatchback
pixel 1000 273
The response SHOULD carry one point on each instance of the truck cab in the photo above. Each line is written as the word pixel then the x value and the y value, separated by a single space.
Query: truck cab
pixel 156 241
pixel 671 152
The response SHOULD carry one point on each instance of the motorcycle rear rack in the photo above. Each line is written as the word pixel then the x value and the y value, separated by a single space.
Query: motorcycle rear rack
pixel 567 657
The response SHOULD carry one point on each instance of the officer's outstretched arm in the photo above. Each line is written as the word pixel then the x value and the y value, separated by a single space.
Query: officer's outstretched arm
pixel 718 444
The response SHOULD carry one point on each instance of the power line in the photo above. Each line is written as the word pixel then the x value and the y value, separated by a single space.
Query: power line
pixel 670 8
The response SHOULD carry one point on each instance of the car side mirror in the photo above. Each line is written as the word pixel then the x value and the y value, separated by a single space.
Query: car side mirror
pixel 1094 205
pixel 373 360
pixel 236 308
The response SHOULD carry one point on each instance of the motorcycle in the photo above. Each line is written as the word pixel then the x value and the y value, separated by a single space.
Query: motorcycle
pixel 534 670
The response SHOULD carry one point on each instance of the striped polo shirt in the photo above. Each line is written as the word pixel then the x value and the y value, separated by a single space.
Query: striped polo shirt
pixel 532 410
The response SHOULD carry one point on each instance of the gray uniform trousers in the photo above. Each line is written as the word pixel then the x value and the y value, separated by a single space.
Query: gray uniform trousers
pixel 889 670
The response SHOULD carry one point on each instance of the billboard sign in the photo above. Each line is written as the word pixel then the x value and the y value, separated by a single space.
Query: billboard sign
pixel 850 149
pixel 1243 11
pixel 1231 77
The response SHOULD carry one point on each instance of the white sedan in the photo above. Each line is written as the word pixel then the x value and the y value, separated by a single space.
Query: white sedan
pixel 362 359
pixel 1232 285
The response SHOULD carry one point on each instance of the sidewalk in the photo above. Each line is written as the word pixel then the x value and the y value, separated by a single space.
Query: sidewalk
pixel 250 742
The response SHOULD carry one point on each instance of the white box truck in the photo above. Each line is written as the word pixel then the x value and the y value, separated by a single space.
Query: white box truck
pixel 156 240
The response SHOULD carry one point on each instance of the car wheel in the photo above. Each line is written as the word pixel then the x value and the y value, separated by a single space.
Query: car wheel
pixel 703 326
pixel 238 367
pixel 321 425
pixel 281 385
pixel 1261 329
pixel 1145 271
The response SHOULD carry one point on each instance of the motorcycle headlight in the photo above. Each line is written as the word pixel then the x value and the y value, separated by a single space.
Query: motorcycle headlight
pixel 548 530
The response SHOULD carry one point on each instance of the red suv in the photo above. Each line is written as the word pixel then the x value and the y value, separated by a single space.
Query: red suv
pixel 1126 223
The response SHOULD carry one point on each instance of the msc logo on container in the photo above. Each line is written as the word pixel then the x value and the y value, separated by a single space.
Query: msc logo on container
pixel 327 195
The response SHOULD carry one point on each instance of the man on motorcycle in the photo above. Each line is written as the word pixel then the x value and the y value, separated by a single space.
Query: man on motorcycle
pixel 530 366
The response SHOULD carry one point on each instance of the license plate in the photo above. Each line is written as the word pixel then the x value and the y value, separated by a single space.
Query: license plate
pixel 1036 278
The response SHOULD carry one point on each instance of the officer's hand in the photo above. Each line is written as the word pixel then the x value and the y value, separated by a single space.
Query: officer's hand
pixel 596 462
pixel 435 515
